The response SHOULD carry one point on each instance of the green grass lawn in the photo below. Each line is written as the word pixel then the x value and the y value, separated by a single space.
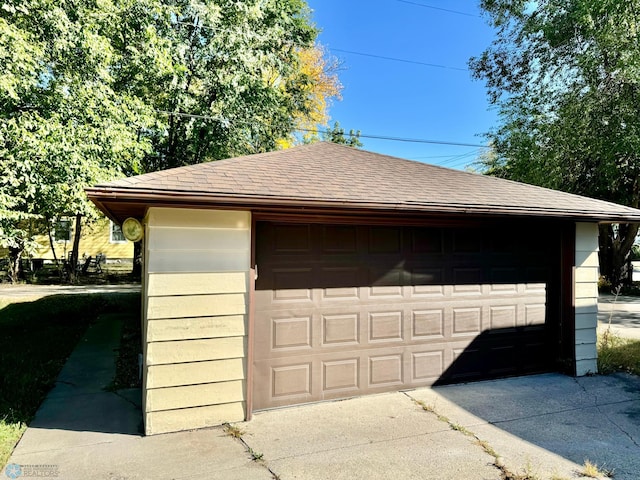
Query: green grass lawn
pixel 36 338
pixel 616 354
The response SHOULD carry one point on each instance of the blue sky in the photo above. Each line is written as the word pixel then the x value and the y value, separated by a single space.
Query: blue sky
pixel 390 98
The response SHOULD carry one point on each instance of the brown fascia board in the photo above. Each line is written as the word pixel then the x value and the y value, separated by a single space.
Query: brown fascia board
pixel 102 196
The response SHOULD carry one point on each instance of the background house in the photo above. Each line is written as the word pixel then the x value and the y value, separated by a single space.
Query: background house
pixel 103 236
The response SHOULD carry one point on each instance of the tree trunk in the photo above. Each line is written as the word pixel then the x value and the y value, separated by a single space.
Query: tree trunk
pixel 615 253
pixel 15 263
pixel 73 262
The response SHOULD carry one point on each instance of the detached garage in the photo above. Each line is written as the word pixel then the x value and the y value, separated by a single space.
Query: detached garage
pixel 325 272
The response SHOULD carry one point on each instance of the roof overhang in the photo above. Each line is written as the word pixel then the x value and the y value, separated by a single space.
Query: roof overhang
pixel 118 203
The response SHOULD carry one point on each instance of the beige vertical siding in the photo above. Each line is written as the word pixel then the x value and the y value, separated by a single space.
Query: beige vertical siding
pixel 196 307
pixel 586 297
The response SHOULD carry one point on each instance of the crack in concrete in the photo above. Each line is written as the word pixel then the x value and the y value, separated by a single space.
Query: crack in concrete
pixel 598 405
pixel 486 447
pixel 537 415
pixel 117 394
pixel 361 444
pixel 66 383
pixel 254 455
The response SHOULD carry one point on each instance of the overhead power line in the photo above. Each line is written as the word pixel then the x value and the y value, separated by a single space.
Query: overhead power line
pixel 457 12
pixel 403 60
pixel 413 140
pixel 351 52
pixel 357 134
pixel 459 159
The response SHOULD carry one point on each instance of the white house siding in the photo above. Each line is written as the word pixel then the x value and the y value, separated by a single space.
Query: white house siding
pixel 586 297
pixel 196 313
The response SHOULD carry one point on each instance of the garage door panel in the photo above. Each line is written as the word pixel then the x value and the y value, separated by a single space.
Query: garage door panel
pixel 504 317
pixel 291 333
pixel 537 353
pixel 534 314
pixel 340 293
pixel 341 329
pixel 427 240
pixel 469 366
pixel 466 241
pixel 427 324
pixel 505 360
pixel 385 240
pixel 387 276
pixel 498 288
pixel 291 380
pixel 386 326
pixel 467 321
pixel 427 291
pixel 287 283
pixel 467 277
pixel 341 376
pixel 339 239
pixel 426 366
pixel 537 275
pixel 340 281
pixel 383 292
pixel 386 370
pixel 353 310
pixel 504 275
pixel 290 238
pixel 432 276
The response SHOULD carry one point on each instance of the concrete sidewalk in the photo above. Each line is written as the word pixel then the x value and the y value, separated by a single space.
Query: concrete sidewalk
pixel 82 431
pixel 543 425
pixel 33 292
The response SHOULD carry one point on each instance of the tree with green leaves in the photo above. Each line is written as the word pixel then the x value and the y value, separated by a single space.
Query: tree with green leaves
pixel 62 124
pixel 338 135
pixel 230 80
pixel 92 91
pixel 565 77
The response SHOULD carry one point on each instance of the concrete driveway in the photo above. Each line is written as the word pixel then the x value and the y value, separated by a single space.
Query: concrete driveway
pixel 621 313
pixel 544 426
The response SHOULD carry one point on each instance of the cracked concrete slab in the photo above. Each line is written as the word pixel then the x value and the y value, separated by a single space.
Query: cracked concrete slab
pixel 373 437
pixel 551 422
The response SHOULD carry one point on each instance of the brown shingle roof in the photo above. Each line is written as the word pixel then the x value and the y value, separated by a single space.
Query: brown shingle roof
pixel 326 174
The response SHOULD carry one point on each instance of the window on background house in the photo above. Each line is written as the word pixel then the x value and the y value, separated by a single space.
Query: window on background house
pixel 116 235
pixel 62 231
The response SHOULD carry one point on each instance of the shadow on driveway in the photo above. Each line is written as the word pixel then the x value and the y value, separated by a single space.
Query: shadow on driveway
pixel 541 419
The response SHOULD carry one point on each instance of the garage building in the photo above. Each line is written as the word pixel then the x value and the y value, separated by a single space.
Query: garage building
pixel 325 272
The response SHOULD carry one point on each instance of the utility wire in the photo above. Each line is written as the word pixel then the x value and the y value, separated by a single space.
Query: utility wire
pixel 439 8
pixel 429 157
pixel 351 52
pixel 445 159
pixel 460 158
pixel 357 134
pixel 403 60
